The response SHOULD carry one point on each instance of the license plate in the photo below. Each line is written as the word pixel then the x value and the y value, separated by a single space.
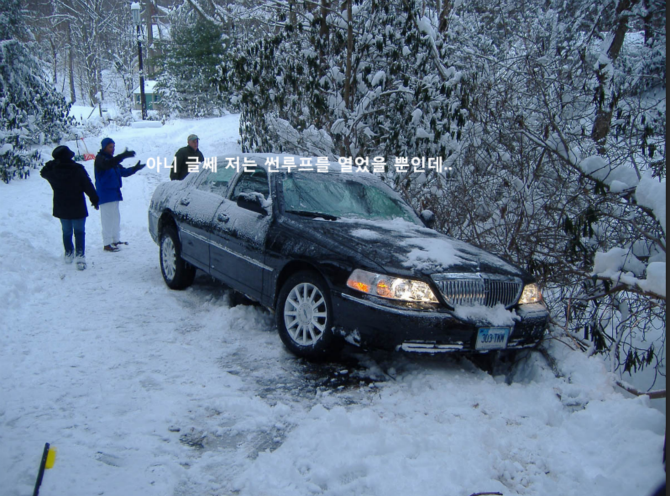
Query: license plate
pixel 492 338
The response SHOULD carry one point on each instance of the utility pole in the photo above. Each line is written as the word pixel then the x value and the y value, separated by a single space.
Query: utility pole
pixel 137 20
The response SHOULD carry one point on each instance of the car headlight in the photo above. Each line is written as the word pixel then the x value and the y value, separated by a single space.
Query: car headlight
pixel 531 294
pixel 394 288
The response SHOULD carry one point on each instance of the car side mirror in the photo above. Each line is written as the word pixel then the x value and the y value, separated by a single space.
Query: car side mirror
pixel 428 218
pixel 253 202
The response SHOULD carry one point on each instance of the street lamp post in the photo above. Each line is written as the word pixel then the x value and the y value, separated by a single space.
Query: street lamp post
pixel 137 20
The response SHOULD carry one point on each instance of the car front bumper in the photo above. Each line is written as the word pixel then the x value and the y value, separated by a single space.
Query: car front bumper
pixel 370 323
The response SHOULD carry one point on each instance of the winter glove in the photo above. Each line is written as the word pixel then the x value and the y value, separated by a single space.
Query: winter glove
pixel 139 166
pixel 126 154
pixel 95 206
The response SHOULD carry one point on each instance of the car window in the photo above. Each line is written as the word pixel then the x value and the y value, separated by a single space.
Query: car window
pixel 191 178
pixel 252 182
pixel 343 197
pixel 217 181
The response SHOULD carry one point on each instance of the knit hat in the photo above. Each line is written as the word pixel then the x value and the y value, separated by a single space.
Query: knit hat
pixel 193 137
pixel 62 153
pixel 105 143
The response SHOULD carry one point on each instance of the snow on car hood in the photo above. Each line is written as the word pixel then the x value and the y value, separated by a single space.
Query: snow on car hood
pixel 402 247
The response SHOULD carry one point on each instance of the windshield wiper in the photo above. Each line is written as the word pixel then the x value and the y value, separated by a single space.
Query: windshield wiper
pixel 312 215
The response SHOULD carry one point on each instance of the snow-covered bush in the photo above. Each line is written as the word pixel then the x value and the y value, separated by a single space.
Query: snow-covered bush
pixel 369 77
pixel 189 64
pixel 561 163
pixel 31 110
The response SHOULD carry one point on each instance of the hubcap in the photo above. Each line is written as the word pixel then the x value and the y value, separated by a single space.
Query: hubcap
pixel 168 257
pixel 305 314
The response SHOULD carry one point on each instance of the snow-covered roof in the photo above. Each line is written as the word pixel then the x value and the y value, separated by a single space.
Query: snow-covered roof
pixel 148 87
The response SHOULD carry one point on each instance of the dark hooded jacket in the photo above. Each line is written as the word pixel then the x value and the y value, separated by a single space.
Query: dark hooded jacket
pixel 69 181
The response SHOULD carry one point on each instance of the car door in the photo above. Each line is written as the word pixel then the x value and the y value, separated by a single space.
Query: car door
pixel 195 211
pixel 238 237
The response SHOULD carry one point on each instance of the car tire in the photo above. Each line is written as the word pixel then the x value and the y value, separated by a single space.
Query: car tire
pixel 177 273
pixel 305 317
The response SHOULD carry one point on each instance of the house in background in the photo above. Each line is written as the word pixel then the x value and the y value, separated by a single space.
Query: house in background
pixel 152 98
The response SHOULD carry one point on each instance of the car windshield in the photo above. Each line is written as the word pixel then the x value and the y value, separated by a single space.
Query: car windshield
pixel 343 196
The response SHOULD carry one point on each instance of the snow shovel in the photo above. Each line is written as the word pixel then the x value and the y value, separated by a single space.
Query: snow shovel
pixel 83 156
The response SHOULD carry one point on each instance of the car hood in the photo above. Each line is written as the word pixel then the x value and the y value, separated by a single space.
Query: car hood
pixel 403 248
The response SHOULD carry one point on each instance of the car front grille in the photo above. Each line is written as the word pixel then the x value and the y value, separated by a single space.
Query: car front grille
pixel 479 289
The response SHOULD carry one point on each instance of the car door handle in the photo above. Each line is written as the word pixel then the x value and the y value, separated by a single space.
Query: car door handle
pixel 185 201
pixel 222 218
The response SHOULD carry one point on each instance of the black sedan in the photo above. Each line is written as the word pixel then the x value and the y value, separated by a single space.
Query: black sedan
pixel 339 256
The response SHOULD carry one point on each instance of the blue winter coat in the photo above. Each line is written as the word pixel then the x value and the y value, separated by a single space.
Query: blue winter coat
pixel 108 174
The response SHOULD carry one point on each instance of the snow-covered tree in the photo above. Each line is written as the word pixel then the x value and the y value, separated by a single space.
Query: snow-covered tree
pixel 189 65
pixel 82 39
pixel 562 158
pixel 31 110
pixel 356 79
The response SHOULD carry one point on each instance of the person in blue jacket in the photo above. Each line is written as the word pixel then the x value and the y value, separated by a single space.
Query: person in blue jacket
pixel 108 174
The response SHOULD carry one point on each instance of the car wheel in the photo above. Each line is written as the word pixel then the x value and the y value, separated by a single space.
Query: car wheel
pixel 305 317
pixel 177 273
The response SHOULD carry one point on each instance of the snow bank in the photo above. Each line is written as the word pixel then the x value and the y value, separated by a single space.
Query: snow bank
pixel 146 124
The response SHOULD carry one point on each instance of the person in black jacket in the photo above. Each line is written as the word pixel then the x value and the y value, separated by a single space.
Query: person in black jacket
pixel 184 156
pixel 69 181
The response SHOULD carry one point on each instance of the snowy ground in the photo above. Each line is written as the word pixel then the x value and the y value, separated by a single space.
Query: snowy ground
pixel 146 391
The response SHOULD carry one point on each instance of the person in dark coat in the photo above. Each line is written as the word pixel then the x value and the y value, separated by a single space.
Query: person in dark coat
pixel 108 183
pixel 184 156
pixel 69 181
